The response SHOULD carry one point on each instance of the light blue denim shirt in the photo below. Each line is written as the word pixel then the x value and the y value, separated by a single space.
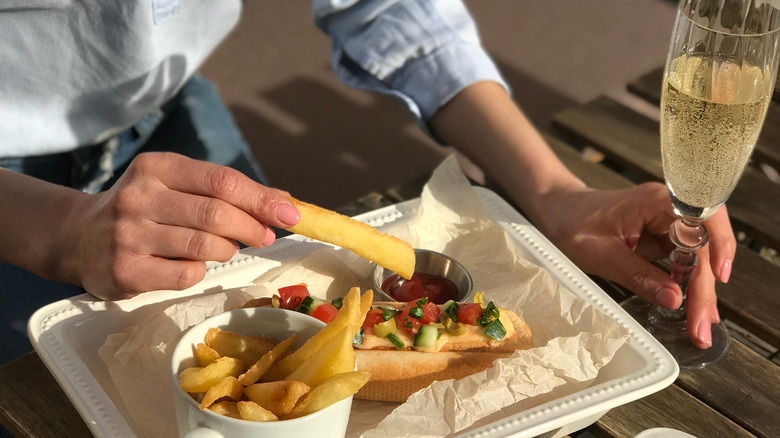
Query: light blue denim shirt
pixel 421 51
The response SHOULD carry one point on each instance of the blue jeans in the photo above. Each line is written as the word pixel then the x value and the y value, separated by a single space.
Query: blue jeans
pixel 196 123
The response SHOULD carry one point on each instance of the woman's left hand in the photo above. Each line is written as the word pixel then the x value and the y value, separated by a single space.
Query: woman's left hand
pixel 616 234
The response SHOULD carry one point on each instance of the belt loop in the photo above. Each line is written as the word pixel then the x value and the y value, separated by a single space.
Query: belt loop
pixel 101 171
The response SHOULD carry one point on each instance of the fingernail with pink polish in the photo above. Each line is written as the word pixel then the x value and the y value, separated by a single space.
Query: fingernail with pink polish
pixel 287 214
pixel 725 272
pixel 270 236
pixel 666 298
pixel 704 333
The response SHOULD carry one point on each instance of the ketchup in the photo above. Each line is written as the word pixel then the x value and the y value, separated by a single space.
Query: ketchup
pixel 437 289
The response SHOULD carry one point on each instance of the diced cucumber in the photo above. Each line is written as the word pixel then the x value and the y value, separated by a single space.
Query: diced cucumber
pixel 427 336
pixel 309 304
pixel 447 305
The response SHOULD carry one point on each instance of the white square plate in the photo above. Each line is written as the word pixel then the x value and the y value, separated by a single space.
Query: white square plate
pixel 67 335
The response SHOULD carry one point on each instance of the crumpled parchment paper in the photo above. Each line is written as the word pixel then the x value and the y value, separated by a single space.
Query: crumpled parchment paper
pixel 572 339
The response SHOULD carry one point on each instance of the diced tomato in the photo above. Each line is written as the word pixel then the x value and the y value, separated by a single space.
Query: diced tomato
pixel 411 324
pixel 325 312
pixel 374 316
pixel 430 312
pixel 468 313
pixel 290 297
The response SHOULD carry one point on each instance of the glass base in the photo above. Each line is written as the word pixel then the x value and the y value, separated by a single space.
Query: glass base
pixel 675 337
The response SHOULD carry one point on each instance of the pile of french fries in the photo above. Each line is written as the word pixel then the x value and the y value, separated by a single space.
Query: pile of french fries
pixel 257 379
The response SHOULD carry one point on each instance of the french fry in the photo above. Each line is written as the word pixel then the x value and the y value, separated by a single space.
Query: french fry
pixel 247 348
pixel 200 379
pixel 331 390
pixel 259 368
pixel 335 357
pixel 366 300
pixel 251 411
pixel 229 387
pixel 278 397
pixel 206 354
pixel 226 408
pixel 358 237
pixel 347 315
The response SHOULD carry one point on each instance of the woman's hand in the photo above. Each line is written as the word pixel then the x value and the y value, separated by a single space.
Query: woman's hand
pixel 164 218
pixel 612 234
pixel 615 235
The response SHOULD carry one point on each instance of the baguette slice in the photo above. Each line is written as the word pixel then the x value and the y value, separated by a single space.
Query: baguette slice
pixel 397 374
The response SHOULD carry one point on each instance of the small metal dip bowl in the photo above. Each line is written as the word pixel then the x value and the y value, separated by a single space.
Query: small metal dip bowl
pixel 432 263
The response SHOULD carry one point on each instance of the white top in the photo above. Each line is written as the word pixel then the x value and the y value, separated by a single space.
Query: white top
pixel 74 72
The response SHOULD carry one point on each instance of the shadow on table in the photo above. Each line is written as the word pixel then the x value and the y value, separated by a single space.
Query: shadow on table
pixel 21 294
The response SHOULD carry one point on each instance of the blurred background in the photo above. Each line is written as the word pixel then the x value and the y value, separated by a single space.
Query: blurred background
pixel 330 144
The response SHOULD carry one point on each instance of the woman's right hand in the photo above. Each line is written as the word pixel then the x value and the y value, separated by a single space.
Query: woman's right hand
pixel 162 220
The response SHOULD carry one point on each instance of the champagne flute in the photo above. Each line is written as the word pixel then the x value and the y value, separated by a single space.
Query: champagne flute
pixel 718 81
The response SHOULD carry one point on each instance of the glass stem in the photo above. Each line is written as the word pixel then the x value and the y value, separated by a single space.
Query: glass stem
pixel 688 235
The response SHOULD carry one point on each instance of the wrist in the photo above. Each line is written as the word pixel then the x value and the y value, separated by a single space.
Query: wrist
pixel 37 231
pixel 551 206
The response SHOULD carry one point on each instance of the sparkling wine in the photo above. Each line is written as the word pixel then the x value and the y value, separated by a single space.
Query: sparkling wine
pixel 712 113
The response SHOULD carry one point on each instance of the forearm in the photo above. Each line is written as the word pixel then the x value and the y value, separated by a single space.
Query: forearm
pixel 484 123
pixel 35 218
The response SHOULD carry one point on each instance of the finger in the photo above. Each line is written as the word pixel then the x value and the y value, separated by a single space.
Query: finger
pixel 644 279
pixel 214 216
pixel 702 309
pixel 145 274
pixel 186 243
pixel 723 244
pixel 269 206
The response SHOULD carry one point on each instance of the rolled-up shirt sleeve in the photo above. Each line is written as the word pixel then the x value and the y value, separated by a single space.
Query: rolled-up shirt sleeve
pixel 421 51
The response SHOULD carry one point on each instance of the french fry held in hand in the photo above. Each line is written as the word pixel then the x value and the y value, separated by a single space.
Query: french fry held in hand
pixel 362 239
pixel 311 378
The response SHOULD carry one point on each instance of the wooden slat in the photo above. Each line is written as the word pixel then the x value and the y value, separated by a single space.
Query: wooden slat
pixel 648 86
pixel 32 404
pixel 631 141
pixel 672 408
pixel 751 297
pixel 767 150
pixel 593 174
pixel 743 386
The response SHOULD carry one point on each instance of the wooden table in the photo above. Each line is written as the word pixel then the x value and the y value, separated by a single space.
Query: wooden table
pixel 737 397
